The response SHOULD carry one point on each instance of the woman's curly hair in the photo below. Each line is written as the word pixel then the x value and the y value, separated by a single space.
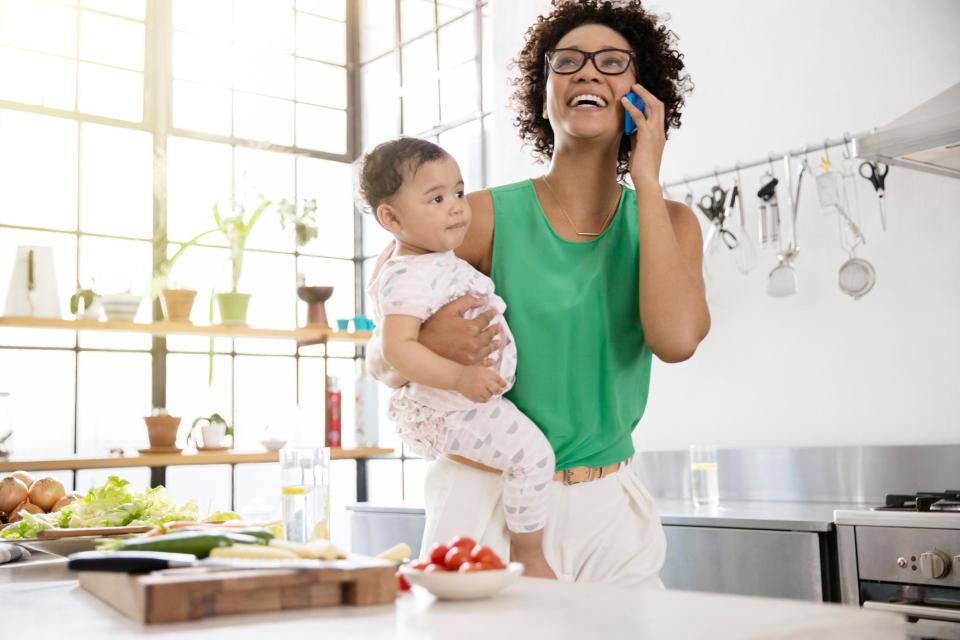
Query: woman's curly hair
pixel 659 65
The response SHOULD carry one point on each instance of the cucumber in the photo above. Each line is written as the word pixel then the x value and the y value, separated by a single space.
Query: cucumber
pixel 196 543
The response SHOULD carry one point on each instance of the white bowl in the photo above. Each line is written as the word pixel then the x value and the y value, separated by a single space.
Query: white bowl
pixel 452 585
pixel 121 306
pixel 273 444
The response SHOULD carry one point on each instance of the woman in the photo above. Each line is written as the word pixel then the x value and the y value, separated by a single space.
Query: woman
pixel 597 278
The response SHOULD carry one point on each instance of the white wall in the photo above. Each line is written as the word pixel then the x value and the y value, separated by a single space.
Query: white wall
pixel 817 368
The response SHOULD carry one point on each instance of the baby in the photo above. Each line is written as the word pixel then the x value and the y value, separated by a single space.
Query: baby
pixel 416 191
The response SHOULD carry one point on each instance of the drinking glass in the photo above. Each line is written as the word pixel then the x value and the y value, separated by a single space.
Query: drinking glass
pixel 305 475
pixel 704 486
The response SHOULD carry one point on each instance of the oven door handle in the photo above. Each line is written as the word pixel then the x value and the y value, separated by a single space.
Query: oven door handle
pixel 915 610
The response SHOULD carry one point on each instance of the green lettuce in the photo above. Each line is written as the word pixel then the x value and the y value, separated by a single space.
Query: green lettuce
pixel 112 504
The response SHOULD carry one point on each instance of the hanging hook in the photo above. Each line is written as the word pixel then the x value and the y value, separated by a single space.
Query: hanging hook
pixel 736 168
pixel 715 176
pixel 825 163
pixel 773 171
pixel 846 146
pixel 689 198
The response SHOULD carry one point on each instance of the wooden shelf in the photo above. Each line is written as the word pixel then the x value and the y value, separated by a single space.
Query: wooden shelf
pixel 303 335
pixel 175 459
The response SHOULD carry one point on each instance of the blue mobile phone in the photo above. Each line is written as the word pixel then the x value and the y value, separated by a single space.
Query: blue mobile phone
pixel 629 126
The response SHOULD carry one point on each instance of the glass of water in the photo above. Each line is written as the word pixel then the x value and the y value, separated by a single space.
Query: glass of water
pixel 704 485
pixel 305 482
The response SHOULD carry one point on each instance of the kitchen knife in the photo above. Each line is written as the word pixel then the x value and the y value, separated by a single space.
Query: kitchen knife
pixel 146 561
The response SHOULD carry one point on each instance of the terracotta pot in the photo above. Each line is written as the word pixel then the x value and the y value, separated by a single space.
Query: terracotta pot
pixel 162 430
pixel 177 304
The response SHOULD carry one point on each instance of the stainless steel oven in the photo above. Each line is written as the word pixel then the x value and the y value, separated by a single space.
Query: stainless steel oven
pixel 905 557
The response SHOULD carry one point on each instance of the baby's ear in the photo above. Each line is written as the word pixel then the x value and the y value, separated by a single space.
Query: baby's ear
pixel 387 216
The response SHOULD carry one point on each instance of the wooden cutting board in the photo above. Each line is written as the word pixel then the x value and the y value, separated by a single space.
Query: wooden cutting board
pixel 177 595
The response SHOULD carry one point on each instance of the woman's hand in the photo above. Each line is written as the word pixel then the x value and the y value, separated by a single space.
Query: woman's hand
pixel 646 143
pixel 468 342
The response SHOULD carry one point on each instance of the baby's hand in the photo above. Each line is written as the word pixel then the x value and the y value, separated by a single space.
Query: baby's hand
pixel 479 383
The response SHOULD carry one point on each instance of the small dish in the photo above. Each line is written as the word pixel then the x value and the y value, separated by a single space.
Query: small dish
pixel 452 585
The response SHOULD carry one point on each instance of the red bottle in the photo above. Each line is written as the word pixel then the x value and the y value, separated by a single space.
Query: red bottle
pixel 333 413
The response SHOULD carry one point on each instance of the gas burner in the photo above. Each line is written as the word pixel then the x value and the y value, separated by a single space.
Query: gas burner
pixel 924 501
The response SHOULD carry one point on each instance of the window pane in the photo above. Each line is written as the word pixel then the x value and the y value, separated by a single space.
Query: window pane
pixel 420 107
pixel 36 78
pixel 463 143
pixel 449 9
pixel 208 17
pixel 113 41
pixel 115 266
pixel 189 396
pixel 265 389
pixel 320 128
pixel 266 25
pixel 321 84
pixel 39 25
pixel 264 73
pixel 36 152
pixel 266 119
pixel 114 395
pixel 489 129
pixel 65 265
pixel 321 39
pixel 209 485
pixel 41 428
pixel 420 60
pixel 199 268
pixel 330 184
pixel 377 27
pixel 384 482
pixel 271 279
pixel 203 60
pixel 198 175
pixel 129 8
pixel 487 63
pixel 458 42
pixel 459 95
pixel 116 185
pixel 380 105
pixel 416 17
pixel 270 174
pixel 201 108
pixel 375 237
pixel 333 9
pixel 258 491
pixel 110 92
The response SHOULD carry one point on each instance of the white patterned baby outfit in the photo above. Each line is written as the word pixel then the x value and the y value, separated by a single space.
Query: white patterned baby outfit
pixel 434 422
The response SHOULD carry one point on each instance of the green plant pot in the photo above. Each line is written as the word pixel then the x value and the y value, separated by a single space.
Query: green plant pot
pixel 233 307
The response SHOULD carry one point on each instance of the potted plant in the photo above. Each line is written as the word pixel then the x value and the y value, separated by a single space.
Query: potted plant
pixel 302 219
pixel 162 429
pixel 236 228
pixel 176 302
pixel 90 310
pixel 213 432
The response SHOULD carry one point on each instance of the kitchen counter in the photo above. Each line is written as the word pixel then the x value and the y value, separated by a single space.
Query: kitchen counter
pixel 535 608
pixel 781 516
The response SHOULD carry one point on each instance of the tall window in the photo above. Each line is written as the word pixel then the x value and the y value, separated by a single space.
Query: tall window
pixel 121 123
pixel 424 72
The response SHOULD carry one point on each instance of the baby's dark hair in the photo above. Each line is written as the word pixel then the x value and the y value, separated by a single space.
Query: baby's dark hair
pixel 383 170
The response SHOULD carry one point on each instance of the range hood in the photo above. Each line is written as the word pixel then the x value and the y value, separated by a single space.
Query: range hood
pixel 926 138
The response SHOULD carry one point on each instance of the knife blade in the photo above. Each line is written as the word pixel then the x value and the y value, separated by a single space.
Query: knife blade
pixel 147 561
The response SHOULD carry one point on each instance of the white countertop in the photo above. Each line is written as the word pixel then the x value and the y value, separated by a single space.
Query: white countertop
pixel 530 607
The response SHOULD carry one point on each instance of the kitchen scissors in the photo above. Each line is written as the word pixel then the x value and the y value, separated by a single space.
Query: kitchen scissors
pixel 876 173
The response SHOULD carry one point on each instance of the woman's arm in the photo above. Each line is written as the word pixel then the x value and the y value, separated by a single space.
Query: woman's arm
pixel 673 302
pixel 409 358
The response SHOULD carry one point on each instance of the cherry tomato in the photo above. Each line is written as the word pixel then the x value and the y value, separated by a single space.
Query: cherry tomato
pixel 419 566
pixel 469 567
pixel 438 553
pixel 433 568
pixel 456 556
pixel 465 543
pixel 481 553
pixel 493 563
pixel 402 584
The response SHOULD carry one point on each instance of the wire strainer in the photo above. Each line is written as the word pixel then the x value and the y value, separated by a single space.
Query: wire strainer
pixel 856 276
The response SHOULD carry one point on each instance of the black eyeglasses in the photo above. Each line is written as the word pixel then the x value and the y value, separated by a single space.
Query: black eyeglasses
pixel 611 62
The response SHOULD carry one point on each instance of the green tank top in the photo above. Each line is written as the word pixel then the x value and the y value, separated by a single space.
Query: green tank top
pixel 583 369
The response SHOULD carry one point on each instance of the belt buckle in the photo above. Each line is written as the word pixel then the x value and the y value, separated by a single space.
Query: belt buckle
pixel 568 477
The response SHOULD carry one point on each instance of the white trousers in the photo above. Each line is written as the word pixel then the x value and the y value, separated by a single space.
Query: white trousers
pixel 605 531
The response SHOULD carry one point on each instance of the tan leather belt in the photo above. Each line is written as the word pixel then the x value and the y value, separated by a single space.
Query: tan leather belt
pixel 573 475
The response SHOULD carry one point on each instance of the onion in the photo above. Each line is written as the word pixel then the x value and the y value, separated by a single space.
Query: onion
pixel 64 501
pixel 24 506
pixel 45 492
pixel 12 493
pixel 23 477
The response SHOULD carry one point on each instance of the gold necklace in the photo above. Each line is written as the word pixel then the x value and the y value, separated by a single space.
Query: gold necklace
pixel 570 220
